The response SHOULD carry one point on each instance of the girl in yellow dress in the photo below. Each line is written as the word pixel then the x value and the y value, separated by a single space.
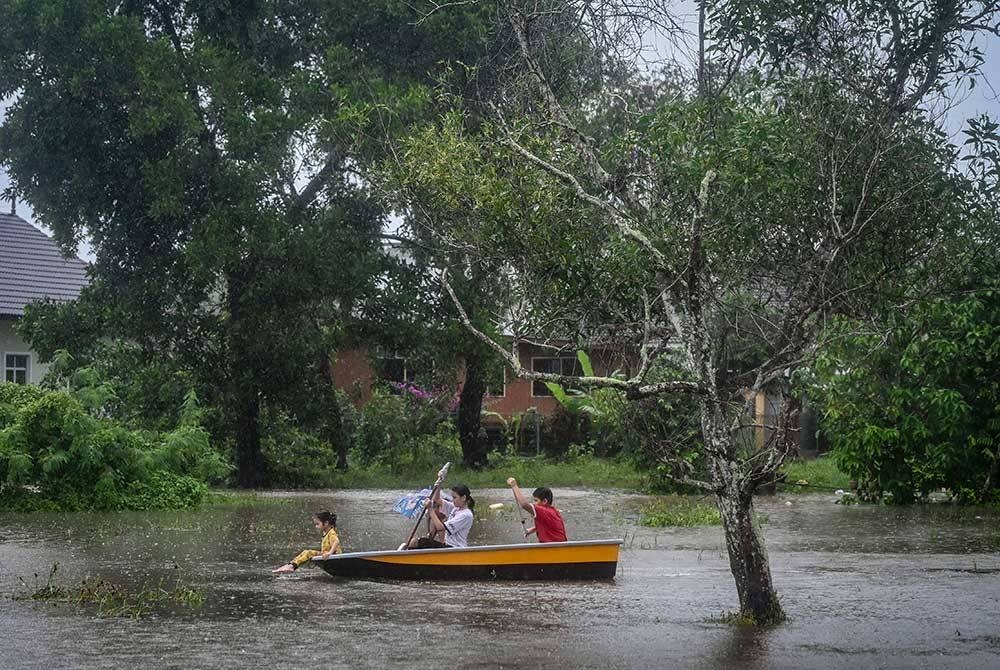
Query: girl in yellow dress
pixel 326 523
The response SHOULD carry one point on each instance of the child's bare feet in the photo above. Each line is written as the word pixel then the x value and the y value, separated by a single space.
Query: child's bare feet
pixel 287 567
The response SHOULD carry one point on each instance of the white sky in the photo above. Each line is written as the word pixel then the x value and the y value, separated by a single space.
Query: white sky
pixel 983 99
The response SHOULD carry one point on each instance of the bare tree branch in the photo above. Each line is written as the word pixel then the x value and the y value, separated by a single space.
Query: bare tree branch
pixel 633 387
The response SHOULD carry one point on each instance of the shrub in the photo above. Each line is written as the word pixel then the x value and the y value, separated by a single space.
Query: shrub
pixel 56 455
pixel 916 408
pixel 295 458
pixel 398 430
pixel 164 490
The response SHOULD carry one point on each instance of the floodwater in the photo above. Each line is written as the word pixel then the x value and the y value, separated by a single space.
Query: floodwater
pixel 863 587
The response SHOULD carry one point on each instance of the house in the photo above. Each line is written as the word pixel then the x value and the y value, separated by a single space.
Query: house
pixel 31 268
pixel 356 372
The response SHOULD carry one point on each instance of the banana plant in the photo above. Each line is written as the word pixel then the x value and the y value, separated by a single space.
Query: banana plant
pixel 575 401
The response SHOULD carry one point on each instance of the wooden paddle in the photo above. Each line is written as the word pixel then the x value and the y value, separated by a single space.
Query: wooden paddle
pixel 437 485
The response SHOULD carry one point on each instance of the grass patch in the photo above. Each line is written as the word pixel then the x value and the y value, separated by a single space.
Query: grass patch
pixel 742 619
pixel 679 511
pixel 815 474
pixel 225 498
pixel 110 599
pixel 587 471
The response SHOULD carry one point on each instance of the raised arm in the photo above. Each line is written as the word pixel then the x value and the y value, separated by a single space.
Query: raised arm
pixel 518 496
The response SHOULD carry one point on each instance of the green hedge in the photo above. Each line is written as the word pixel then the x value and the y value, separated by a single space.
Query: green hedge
pixel 57 455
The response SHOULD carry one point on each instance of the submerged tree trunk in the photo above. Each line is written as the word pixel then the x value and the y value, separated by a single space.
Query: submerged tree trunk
pixel 470 407
pixel 748 558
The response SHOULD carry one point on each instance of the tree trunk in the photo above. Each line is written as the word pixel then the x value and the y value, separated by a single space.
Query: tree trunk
pixel 991 478
pixel 333 420
pixel 470 407
pixel 748 557
pixel 341 441
pixel 244 391
pixel 249 457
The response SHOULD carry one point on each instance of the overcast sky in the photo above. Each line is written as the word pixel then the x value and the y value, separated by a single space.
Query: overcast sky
pixel 983 99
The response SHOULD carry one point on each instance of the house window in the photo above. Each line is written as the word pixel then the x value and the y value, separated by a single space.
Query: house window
pixel 395 369
pixel 15 368
pixel 568 366
pixel 496 386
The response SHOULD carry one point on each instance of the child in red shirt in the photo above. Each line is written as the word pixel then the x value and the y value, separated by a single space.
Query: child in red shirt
pixel 548 521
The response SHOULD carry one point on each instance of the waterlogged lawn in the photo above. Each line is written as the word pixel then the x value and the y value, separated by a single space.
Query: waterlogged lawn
pixel 812 476
pixel 801 476
pixel 584 472
pixel 680 511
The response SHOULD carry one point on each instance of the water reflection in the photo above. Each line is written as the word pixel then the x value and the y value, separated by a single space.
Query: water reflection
pixel 866 586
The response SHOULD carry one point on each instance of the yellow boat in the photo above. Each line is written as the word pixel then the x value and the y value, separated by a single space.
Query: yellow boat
pixel 585 559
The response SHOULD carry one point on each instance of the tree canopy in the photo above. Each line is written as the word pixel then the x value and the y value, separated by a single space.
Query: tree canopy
pixel 728 215
pixel 215 153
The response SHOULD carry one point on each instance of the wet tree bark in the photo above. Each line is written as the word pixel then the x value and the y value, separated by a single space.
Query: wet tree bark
pixel 994 474
pixel 249 457
pixel 470 407
pixel 244 396
pixel 340 442
pixel 332 421
pixel 748 559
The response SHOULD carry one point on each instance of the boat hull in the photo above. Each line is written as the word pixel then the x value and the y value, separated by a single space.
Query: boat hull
pixel 584 560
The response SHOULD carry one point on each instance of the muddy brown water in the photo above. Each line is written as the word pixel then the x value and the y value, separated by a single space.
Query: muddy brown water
pixel 864 587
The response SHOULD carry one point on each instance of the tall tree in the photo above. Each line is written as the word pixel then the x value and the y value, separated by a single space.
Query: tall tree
pixel 791 178
pixel 209 151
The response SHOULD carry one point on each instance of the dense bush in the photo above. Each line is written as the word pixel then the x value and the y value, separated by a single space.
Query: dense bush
pixel 295 458
pixel 660 435
pixel 55 454
pixel 404 430
pixel 118 381
pixel 917 408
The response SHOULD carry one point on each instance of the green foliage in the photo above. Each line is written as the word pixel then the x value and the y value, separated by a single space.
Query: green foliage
pixel 679 511
pixel 295 458
pixel 816 473
pixel 56 454
pixel 917 408
pixel 403 431
pixel 16 396
pixel 162 489
pixel 192 128
pixel 110 599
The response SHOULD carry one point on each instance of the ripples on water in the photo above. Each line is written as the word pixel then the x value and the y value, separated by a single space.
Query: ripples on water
pixel 863 587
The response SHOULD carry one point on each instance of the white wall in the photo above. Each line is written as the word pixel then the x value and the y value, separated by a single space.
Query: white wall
pixel 10 343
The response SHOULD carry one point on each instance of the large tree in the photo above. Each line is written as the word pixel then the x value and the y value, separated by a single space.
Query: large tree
pixel 414 317
pixel 790 176
pixel 210 151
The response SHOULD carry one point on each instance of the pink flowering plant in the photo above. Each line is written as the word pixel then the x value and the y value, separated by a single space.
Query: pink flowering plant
pixel 445 399
pixel 403 425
